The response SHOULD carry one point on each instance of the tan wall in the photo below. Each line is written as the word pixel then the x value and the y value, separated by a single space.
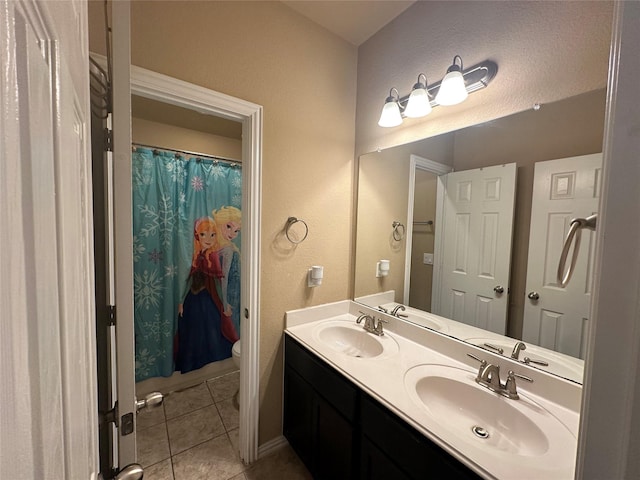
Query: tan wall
pixel 162 135
pixel 305 78
pixel 383 181
pixel 424 209
pixel 382 199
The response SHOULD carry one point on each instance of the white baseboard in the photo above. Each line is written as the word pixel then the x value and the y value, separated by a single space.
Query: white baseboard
pixel 272 446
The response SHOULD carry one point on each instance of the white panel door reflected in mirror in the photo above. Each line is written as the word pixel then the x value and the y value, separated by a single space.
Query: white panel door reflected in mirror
pixel 473 249
pixel 557 317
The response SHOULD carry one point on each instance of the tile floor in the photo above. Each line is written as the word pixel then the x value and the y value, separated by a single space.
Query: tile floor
pixel 194 436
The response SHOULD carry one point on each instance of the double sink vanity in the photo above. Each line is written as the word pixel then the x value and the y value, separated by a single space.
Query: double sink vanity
pixel 371 395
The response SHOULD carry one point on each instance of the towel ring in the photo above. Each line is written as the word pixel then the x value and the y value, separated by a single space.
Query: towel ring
pixel 292 221
pixel 398 231
pixel 575 230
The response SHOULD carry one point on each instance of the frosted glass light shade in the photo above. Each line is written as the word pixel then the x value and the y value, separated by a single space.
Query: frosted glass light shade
pixel 452 89
pixel 418 104
pixel 390 116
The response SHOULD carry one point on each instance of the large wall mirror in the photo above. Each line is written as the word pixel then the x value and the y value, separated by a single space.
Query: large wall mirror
pixel 472 223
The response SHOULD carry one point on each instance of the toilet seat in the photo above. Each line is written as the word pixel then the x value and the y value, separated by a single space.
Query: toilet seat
pixel 235 353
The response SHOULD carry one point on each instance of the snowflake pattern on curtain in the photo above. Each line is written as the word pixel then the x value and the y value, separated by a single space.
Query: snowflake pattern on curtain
pixel 169 194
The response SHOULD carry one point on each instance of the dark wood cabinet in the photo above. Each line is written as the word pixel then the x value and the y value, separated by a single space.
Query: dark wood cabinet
pixel 408 449
pixel 320 410
pixel 377 465
pixel 340 432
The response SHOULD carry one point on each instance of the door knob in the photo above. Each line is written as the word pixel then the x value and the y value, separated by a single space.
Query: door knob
pixel 154 399
pixel 130 472
pixel 533 295
pixel 498 289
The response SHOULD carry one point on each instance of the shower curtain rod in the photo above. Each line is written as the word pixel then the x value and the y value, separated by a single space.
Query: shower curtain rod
pixel 186 152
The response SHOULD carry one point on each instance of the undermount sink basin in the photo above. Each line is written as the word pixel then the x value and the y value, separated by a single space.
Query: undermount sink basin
pixel 351 339
pixel 559 364
pixel 479 417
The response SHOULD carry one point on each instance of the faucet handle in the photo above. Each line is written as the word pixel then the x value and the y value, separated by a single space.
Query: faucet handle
pixel 510 384
pixel 542 363
pixel 490 347
pixel 482 362
pixel 377 325
pixel 513 374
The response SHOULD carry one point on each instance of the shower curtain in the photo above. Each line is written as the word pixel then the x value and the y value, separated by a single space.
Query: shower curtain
pixel 186 253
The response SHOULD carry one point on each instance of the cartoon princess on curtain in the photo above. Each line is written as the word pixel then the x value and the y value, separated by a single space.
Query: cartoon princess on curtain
pixel 205 333
pixel 228 222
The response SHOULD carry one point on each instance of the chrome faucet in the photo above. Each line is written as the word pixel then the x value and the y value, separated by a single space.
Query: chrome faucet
pixel 371 324
pixel 517 348
pixel 489 377
pixel 368 321
pixel 395 313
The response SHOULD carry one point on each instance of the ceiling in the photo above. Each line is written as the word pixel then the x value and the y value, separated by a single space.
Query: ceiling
pixel 354 20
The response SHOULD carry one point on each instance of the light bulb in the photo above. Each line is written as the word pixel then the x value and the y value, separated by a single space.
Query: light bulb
pixel 390 116
pixel 418 104
pixel 452 88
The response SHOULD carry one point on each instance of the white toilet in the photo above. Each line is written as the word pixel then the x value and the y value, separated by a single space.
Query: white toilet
pixel 235 353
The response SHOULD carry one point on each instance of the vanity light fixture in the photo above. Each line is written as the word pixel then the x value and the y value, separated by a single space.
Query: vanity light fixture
pixel 454 88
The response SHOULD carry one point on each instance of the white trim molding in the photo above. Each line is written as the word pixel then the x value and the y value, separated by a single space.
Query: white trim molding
pixel 609 439
pixel 163 88
pixel 439 169
pixel 187 95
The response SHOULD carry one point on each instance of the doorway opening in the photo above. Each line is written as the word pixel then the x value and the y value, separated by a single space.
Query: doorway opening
pixel 171 92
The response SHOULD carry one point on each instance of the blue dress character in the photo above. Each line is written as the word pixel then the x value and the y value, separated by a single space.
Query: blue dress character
pixel 228 222
pixel 200 338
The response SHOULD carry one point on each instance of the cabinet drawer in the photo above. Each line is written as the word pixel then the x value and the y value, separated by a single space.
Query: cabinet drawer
pixel 334 388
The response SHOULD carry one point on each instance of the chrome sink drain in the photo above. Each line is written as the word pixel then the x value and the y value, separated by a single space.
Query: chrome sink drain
pixel 479 432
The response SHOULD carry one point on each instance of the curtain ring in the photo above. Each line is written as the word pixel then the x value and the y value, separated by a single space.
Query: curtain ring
pixel 398 231
pixel 292 221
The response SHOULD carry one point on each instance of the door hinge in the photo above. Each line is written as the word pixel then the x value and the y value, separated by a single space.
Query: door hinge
pixel 111 312
pixel 124 423
pixel 110 416
pixel 108 140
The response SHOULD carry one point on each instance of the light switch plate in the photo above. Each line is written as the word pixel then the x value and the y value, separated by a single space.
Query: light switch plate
pixel 427 259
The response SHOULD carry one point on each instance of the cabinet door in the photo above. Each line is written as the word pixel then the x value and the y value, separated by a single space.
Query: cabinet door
pixel 376 465
pixel 298 415
pixel 418 456
pixel 334 443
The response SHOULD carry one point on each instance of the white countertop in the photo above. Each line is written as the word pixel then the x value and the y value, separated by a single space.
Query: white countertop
pixel 383 377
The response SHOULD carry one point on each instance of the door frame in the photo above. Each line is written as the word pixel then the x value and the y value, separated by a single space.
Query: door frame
pixel 165 89
pixel 438 169
pixel 156 86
